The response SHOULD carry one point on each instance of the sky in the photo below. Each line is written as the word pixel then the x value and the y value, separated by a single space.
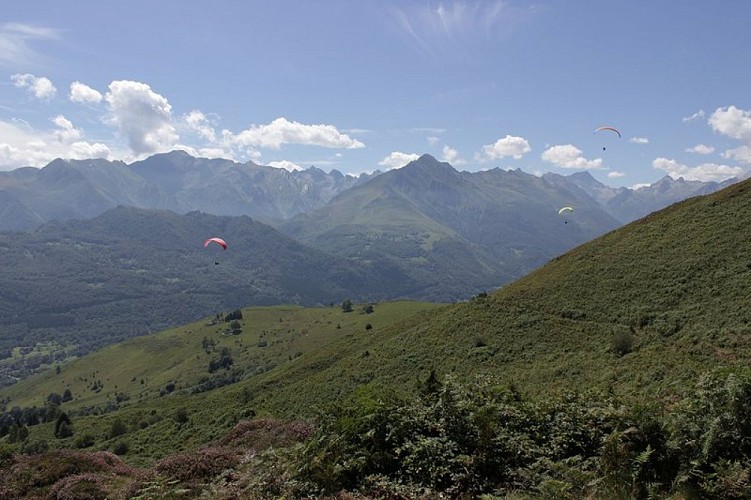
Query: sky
pixel 365 85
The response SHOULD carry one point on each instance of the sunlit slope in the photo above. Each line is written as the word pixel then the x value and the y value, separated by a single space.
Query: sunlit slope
pixel 177 360
pixel 642 311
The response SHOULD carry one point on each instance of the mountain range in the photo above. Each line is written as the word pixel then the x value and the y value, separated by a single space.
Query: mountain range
pixel 97 274
pixel 66 189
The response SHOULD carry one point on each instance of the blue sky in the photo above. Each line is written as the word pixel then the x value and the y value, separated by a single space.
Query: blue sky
pixel 363 85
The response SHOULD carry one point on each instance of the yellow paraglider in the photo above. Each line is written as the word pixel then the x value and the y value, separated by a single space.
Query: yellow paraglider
pixel 564 210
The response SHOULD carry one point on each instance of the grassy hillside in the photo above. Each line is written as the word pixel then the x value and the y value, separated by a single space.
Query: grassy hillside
pixel 641 312
pixel 140 369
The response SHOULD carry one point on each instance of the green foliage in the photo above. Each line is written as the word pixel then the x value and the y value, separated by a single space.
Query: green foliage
pixel 117 428
pixel 63 427
pixel 622 343
pixel 347 306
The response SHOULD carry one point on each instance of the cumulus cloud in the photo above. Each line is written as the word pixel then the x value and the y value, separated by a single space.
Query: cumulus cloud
pixel 615 175
pixel 701 149
pixel 732 122
pixel 398 159
pixel 569 156
pixel 286 165
pixel 705 172
pixel 639 140
pixel 282 131
pixel 198 122
pixel 40 87
pixel 143 117
pixel 82 150
pixel 80 92
pixel 451 155
pixel 65 132
pixel 510 145
pixel 21 146
pixel 742 154
pixel 16 40
pixel 432 140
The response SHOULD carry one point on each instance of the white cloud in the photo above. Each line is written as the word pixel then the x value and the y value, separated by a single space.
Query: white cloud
pixel 704 172
pixel 143 117
pixel 432 140
pixel 639 140
pixel 66 132
pixel 82 150
pixel 80 92
pixel 507 146
pixel 732 122
pixel 696 116
pixel 615 175
pixel 451 155
pixel 641 185
pixel 742 153
pixel 454 27
pixel 569 156
pixel 15 43
pixel 40 87
pixel 282 131
pixel 286 165
pixel 397 160
pixel 701 149
pixel 198 122
pixel 22 146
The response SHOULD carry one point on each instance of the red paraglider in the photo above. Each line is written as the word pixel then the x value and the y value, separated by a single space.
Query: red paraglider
pixel 218 241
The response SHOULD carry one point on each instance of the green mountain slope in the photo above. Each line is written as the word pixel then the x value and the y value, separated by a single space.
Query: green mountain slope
pixel 85 284
pixel 452 233
pixel 640 311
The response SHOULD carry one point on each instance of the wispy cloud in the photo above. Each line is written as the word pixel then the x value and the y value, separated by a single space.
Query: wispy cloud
pixel 456 25
pixel 696 116
pixel 701 149
pixel 16 40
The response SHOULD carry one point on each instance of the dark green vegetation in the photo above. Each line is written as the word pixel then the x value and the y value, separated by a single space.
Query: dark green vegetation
pixel 70 287
pixel 617 370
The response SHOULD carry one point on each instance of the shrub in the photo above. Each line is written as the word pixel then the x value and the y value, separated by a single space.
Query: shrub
pixel 201 464
pixel 622 343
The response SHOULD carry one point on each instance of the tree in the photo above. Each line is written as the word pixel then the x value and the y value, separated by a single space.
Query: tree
pixel 18 433
pixel 347 306
pixel 62 426
pixel 118 428
pixel 368 309
pixel 236 327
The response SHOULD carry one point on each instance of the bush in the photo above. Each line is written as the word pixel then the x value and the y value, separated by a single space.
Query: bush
pixel 201 464
pixel 622 343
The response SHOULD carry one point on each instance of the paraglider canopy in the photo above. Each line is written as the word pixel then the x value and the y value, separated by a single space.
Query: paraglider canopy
pixel 565 209
pixel 218 241
pixel 607 127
